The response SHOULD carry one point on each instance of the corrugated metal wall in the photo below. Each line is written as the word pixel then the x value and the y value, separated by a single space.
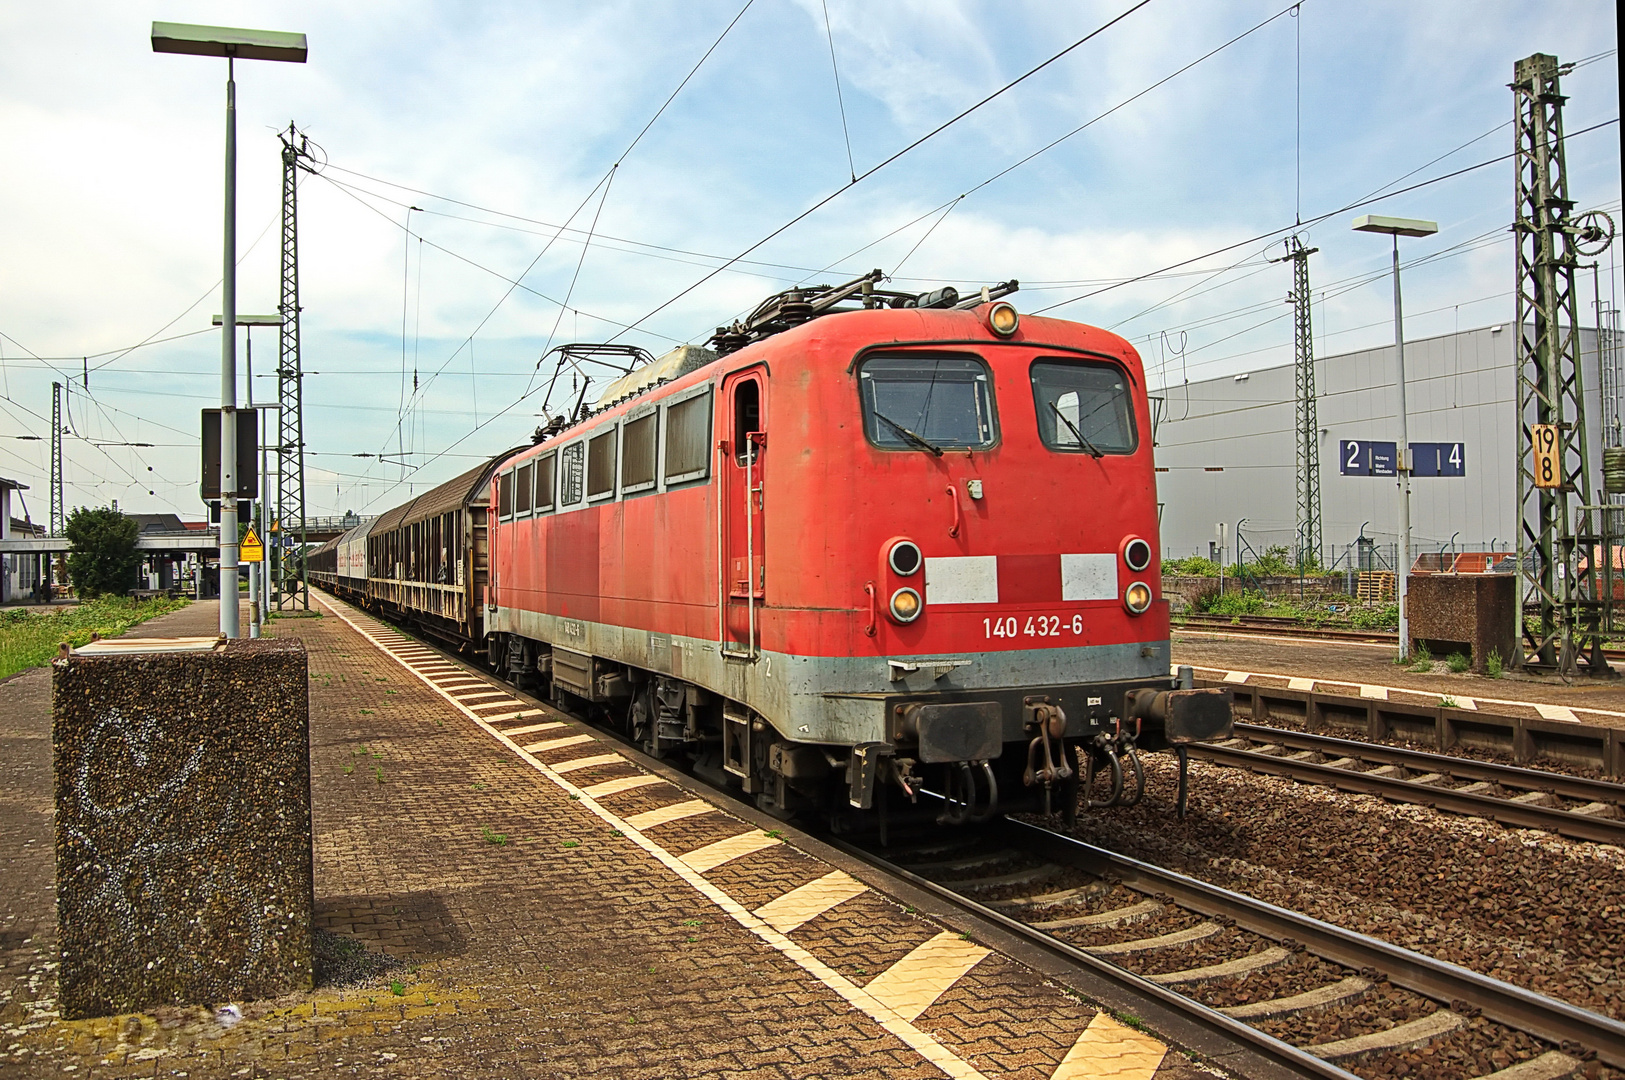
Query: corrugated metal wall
pixel 1459 389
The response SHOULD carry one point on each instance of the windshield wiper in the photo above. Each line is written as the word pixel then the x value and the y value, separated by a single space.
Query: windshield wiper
pixel 1093 449
pixel 909 436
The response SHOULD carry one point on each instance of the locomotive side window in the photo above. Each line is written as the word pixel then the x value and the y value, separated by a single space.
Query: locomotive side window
pixel 544 483
pixel 601 465
pixel 688 438
pixel 638 453
pixel 505 495
pixel 747 418
pixel 924 402
pixel 1083 407
pixel 571 461
pixel 522 489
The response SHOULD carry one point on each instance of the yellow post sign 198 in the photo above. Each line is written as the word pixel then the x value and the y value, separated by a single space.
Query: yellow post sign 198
pixel 1548 463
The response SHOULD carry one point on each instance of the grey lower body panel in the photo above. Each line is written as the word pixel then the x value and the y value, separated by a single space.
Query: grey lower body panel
pixel 845 701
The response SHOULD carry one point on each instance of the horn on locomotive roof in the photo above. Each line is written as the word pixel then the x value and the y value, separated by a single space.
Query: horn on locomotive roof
pixel 793 307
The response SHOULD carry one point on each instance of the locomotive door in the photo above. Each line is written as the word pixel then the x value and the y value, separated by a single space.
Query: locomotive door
pixel 743 451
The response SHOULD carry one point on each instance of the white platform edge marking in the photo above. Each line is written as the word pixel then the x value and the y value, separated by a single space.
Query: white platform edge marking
pixel 917 1040
pixel 1561 713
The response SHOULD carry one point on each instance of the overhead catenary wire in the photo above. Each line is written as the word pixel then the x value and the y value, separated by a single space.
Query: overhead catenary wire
pixel 872 170
pixel 839 99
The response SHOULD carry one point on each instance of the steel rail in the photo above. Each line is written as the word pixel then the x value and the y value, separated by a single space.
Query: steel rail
pixel 1460 768
pixel 1518 1008
pixel 1283 1054
pixel 1472 804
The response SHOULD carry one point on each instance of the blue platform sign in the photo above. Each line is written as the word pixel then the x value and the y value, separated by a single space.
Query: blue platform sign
pixel 1438 459
pixel 1357 457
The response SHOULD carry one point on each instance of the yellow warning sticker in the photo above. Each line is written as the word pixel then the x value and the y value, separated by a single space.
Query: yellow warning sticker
pixel 251 550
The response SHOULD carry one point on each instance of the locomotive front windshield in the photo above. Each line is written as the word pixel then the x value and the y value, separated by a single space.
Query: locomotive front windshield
pixel 927 402
pixel 1083 407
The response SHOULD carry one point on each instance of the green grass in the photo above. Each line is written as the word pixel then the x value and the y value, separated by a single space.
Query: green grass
pixel 1458 662
pixel 30 639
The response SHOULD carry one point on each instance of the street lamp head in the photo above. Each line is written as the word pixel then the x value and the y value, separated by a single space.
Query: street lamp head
pixel 251 320
pixel 1395 226
pixel 228 41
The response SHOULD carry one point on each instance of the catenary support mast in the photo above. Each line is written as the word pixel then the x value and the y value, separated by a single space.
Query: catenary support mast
pixel 1559 614
pixel 1303 342
pixel 288 546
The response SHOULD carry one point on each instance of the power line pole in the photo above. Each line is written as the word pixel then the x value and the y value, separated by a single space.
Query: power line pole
pixel 58 518
pixel 1556 573
pixel 1303 344
pixel 290 497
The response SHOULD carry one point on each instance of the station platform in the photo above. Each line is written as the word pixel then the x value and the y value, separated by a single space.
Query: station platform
pixel 552 907
pixel 1371 667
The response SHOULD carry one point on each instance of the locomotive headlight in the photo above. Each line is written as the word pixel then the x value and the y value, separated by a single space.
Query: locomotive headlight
pixel 1002 319
pixel 1137 597
pixel 904 558
pixel 1137 553
pixel 906 605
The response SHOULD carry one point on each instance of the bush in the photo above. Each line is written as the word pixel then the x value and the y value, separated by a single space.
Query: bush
pixel 1233 602
pixel 1194 566
pixel 1275 562
pixel 1377 618
pixel 1494 664
pixel 103 560
pixel 1458 662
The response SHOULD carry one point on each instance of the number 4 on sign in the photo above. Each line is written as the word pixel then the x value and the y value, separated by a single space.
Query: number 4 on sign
pixel 1548 462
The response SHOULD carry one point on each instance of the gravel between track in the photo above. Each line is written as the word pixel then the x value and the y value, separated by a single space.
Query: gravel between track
pixel 1534 909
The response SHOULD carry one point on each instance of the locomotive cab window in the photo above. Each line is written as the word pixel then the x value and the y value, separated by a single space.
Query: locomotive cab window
pixel 505 495
pixel 572 460
pixel 638 453
pixel 544 483
pixel 923 402
pixel 522 490
pixel 688 438
pixel 1084 407
pixel 601 465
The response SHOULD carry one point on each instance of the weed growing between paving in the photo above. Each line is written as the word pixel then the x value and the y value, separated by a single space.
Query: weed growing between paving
pixel 1458 662
pixel 30 638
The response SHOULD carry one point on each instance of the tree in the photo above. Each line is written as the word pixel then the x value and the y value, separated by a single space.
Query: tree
pixel 103 559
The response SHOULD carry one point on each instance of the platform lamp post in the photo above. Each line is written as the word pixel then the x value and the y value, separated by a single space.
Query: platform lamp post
pixel 234 45
pixel 1397 227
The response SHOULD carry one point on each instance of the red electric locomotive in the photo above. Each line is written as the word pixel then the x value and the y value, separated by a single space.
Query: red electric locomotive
pixel 874 544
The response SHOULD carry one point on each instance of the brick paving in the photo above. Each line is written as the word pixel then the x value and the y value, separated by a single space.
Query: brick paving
pixel 536 939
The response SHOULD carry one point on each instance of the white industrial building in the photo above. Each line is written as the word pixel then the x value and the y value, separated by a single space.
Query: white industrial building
pixel 1226 450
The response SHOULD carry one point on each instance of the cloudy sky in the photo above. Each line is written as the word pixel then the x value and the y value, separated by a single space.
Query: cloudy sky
pixel 503 122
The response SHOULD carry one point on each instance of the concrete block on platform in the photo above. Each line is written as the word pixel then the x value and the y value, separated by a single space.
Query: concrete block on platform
pixel 1469 612
pixel 183 828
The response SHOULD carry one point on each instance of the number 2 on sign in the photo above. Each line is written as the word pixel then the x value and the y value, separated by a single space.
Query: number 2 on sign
pixel 1548 463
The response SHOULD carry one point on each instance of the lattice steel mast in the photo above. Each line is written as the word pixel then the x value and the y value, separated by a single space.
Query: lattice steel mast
pixel 1308 441
pixel 58 518
pixel 1560 610
pixel 289 573
pixel 1308 425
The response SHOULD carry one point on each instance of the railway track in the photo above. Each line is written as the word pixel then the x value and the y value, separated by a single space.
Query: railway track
pixel 1288 626
pixel 1280 626
pixel 1273 979
pixel 1572 806
pixel 1100 915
